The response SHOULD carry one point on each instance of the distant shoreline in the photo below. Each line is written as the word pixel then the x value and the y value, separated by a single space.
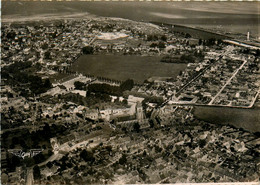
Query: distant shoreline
pixel 44 17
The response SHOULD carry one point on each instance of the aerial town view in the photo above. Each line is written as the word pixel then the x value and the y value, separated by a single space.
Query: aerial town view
pixel 130 93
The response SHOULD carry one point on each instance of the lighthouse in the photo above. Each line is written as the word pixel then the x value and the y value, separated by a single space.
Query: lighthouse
pixel 248 34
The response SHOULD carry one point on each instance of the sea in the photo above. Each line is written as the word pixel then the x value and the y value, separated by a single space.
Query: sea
pixel 234 17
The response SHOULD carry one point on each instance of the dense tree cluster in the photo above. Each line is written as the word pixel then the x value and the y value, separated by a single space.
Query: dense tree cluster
pixel 156 37
pixel 164 38
pixel 123 159
pixel 127 85
pixel 136 127
pixel 153 99
pixel 160 45
pixel 36 172
pixel 109 89
pixel 27 141
pixel 87 156
pixel 17 73
pixel 188 58
pixel 152 38
pixel 11 35
pixel 153 45
pixel 87 50
pixel 104 89
pixel 80 85
pixel 171 59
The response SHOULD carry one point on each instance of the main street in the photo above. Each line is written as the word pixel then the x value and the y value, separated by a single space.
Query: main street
pixel 29 180
pixel 194 79
pixel 227 82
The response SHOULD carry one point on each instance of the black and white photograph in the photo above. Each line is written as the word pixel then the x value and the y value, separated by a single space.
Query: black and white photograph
pixel 130 92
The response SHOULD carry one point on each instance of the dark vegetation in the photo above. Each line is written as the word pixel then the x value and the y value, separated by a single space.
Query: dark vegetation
pixel 109 89
pixel 156 38
pixel 36 172
pixel 97 93
pixel 17 74
pixel 25 140
pixel 160 45
pixel 185 58
pixel 80 85
pixel 87 50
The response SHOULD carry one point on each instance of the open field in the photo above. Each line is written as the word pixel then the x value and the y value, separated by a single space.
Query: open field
pixel 122 67
pixel 249 119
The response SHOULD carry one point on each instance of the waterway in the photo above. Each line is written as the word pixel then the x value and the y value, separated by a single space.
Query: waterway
pixel 248 119
pixel 240 17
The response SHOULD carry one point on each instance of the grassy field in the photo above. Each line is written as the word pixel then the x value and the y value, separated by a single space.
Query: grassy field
pixel 119 67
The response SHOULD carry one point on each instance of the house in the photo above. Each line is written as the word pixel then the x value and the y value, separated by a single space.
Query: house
pixel 55 145
pixel 193 42
pixel 92 114
pixel 133 99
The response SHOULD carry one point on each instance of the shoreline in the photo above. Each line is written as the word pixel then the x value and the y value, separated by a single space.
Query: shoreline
pixel 44 17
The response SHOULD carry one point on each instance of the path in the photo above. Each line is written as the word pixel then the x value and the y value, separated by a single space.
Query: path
pixel 228 82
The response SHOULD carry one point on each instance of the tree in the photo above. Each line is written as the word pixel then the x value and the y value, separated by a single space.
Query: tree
pixel 88 50
pixel 23 144
pixel 161 45
pixel 38 66
pixel 38 158
pixel 13 162
pixel 47 83
pixel 152 37
pixel 28 162
pixel 109 148
pixel 153 45
pixel 123 159
pixel 136 126
pixel 187 35
pixel 46 131
pixel 127 85
pixel 164 38
pixel 200 41
pixel 47 55
pixel 202 143
pixel 151 123
pixel 87 156
pixel 15 140
pixel 45 46
pixel 36 172
pixel 11 35
pixel 124 102
pixel 79 85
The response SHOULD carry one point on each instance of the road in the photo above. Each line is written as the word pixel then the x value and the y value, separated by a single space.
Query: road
pixel 253 102
pixel 242 43
pixel 227 82
pixel 29 180
pixel 196 77
pixel 51 158
pixel 188 83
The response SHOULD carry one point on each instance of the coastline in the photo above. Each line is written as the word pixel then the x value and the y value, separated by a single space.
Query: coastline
pixel 44 17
